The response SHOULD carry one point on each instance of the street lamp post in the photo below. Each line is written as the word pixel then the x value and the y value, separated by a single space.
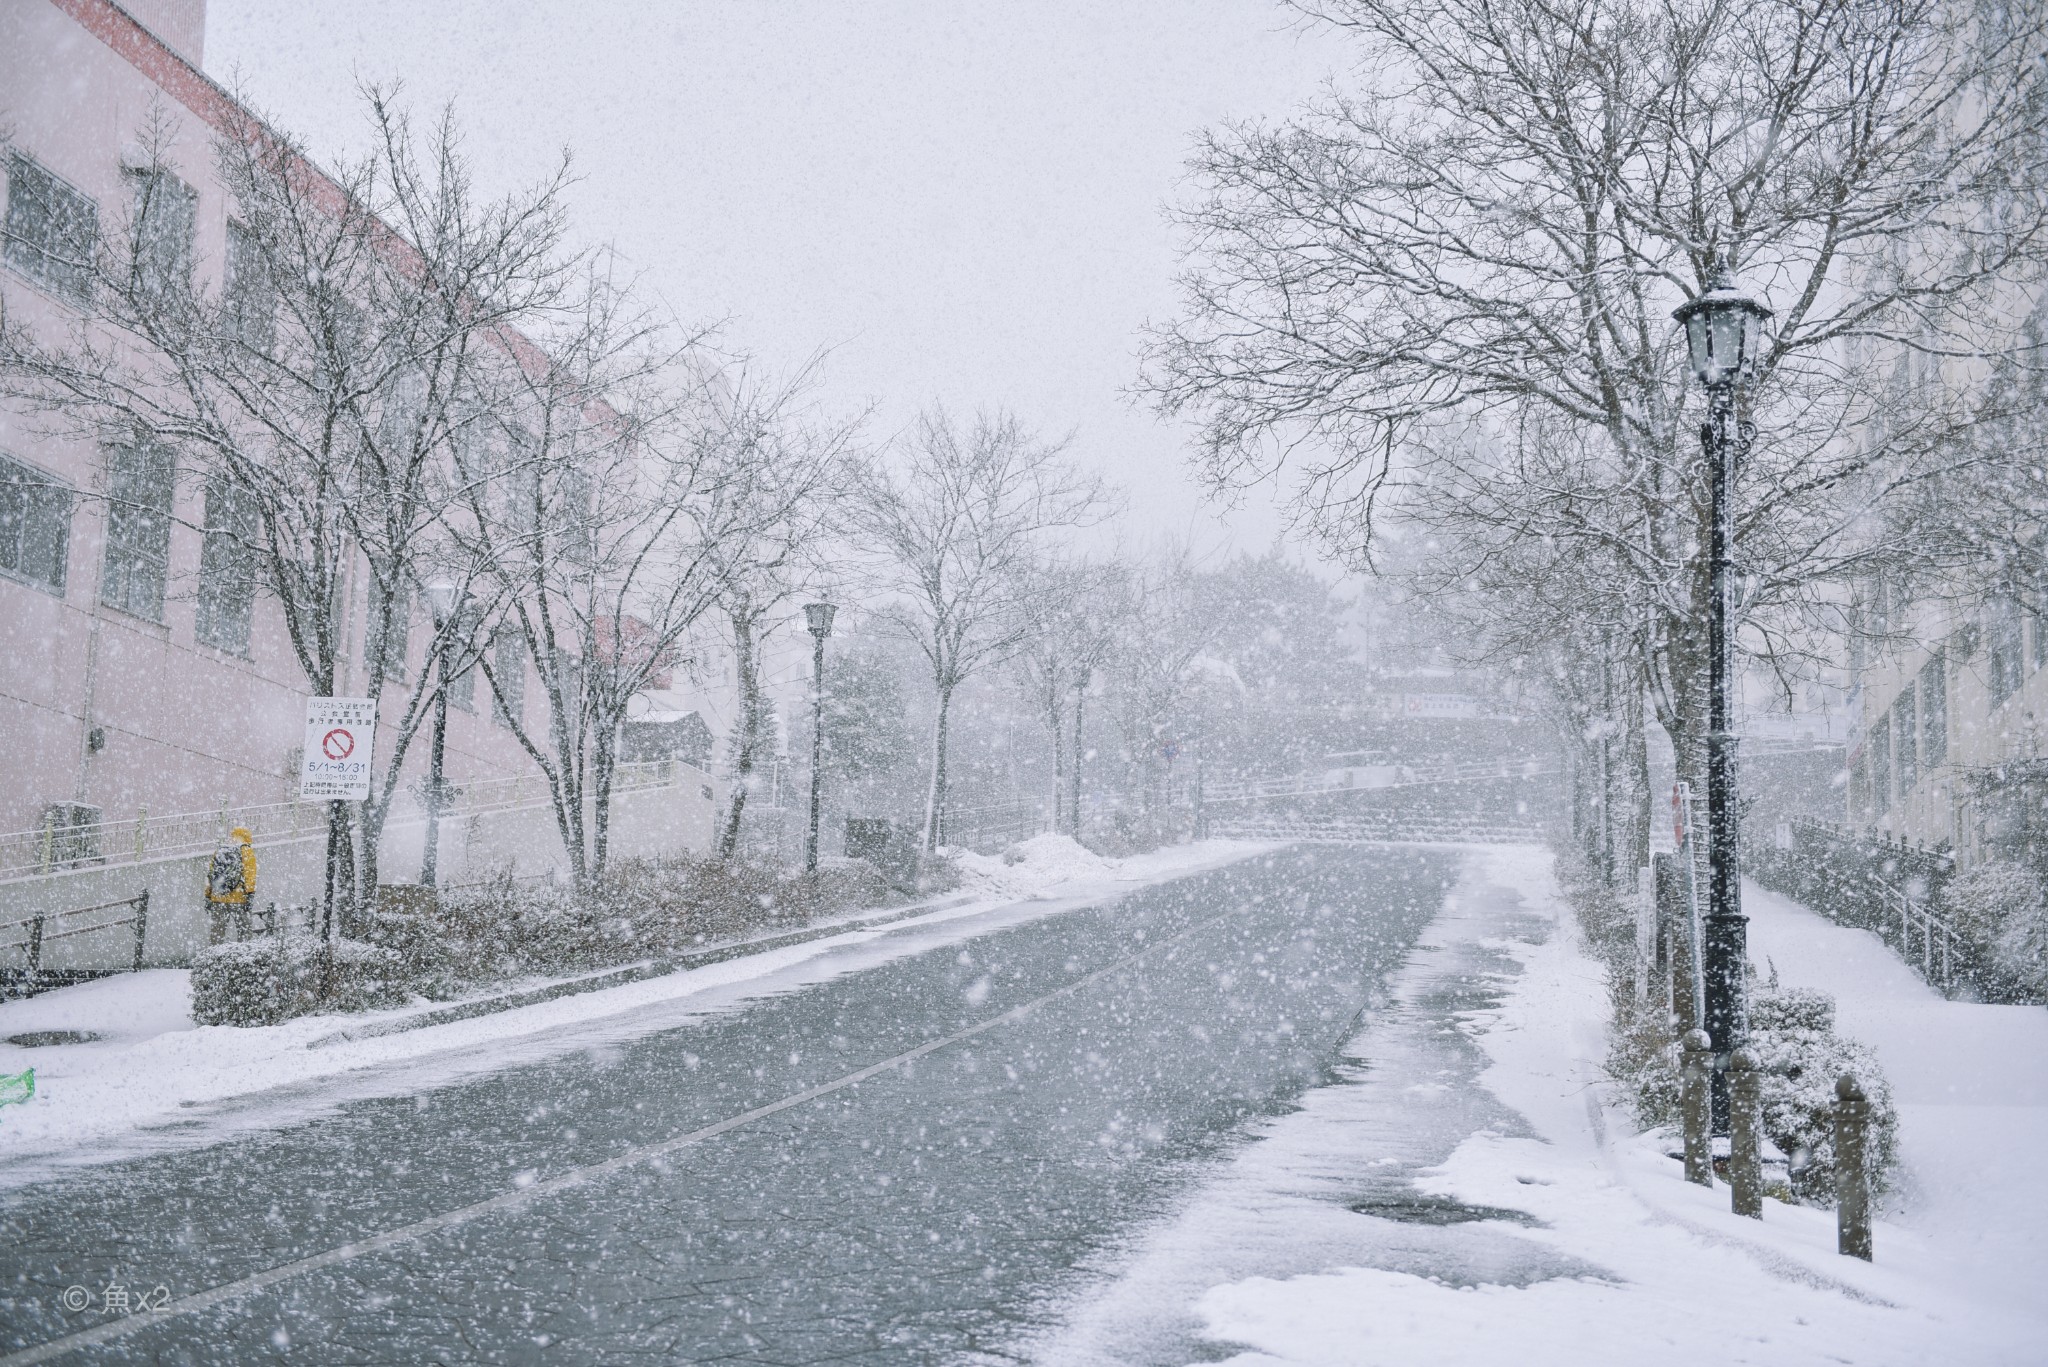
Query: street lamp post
pixel 818 618
pixel 1723 333
pixel 441 596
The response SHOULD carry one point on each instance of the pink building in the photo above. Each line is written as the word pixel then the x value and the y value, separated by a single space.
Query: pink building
pixel 143 683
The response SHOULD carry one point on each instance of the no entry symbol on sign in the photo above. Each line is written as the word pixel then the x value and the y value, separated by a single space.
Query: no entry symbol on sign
pixel 341 734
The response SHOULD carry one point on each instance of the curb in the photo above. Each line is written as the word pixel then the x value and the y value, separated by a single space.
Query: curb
pixel 631 973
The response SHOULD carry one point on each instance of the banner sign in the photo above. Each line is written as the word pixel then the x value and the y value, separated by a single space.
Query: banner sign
pixel 340 734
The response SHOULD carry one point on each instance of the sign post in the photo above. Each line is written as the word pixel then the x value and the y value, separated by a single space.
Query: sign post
pixel 1688 866
pixel 341 734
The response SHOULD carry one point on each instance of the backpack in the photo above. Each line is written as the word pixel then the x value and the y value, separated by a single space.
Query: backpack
pixel 224 873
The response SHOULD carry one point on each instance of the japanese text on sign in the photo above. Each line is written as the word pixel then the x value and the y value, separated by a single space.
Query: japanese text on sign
pixel 340 734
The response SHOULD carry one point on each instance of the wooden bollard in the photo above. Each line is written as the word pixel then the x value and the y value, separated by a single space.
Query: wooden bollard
pixel 1852 1168
pixel 1695 1055
pixel 1745 1147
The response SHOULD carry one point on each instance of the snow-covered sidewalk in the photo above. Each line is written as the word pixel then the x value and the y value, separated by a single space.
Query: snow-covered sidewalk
pixel 1971 1085
pixel 1466 1195
pixel 154 1079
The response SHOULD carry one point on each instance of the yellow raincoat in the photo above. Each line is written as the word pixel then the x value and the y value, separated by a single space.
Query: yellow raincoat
pixel 235 902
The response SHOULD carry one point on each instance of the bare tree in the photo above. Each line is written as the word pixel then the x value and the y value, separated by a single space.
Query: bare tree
pixel 320 388
pixel 1402 285
pixel 1171 622
pixel 1076 611
pixel 797 459
pixel 956 520
pixel 600 496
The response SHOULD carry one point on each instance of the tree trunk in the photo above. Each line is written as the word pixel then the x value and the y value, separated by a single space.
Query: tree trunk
pixel 1635 769
pixel 747 740
pixel 1074 799
pixel 603 765
pixel 935 805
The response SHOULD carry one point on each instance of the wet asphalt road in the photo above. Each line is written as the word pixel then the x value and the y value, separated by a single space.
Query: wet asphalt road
pixel 934 1209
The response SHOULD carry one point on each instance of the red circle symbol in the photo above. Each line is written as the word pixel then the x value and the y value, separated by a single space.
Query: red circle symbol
pixel 338 744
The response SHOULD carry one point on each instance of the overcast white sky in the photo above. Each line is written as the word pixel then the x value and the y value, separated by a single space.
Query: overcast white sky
pixel 964 200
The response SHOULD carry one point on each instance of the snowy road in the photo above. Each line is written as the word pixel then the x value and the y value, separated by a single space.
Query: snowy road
pixel 903 1164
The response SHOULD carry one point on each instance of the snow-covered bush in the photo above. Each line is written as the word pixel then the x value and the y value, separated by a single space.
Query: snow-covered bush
pixel 275 978
pixel 2021 950
pixel 1792 1033
pixel 2001 909
pixel 646 908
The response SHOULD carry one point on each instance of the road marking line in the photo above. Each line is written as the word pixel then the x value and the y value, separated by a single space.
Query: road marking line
pixel 575 1177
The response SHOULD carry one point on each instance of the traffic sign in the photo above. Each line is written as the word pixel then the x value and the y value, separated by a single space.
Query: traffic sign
pixel 340 735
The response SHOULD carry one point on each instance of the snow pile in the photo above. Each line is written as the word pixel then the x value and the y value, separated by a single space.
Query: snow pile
pixel 1033 866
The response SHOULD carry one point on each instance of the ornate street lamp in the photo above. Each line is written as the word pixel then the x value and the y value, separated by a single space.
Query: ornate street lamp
pixel 442 599
pixel 1724 331
pixel 818 618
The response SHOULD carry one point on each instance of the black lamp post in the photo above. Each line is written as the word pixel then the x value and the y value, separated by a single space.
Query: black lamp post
pixel 1723 333
pixel 441 597
pixel 817 617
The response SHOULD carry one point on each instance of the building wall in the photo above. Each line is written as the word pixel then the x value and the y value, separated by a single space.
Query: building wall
pixel 183 727
pixel 1930 800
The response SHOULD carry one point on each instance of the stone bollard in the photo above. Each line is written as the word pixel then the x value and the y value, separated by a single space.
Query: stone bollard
pixel 1694 1063
pixel 1852 1169
pixel 1745 1145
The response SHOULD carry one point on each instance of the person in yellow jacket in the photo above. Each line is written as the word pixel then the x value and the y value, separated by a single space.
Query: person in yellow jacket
pixel 231 885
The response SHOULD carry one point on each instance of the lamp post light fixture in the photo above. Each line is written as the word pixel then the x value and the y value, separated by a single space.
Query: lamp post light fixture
pixel 442 598
pixel 818 618
pixel 1724 331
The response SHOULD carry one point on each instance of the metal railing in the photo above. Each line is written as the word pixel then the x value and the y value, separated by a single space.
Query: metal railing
pixel 1862 879
pixel 1416 775
pixel 1001 823
pixel 1917 918
pixel 53 848
pixel 39 934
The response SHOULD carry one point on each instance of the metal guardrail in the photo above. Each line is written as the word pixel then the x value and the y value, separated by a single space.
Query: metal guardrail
pixel 1864 880
pixel 1390 832
pixel 138 839
pixel 39 933
pixel 1297 785
pixel 1001 823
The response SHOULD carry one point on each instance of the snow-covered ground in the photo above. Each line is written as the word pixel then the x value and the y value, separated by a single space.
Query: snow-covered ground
pixel 1613 1258
pixel 154 1079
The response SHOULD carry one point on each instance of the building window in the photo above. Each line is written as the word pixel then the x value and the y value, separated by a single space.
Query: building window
pixel 463 646
pixel 1905 750
pixel 1879 754
pixel 1934 711
pixel 227 566
pixel 248 295
pixel 508 664
pixel 165 209
pixel 35 526
pixel 2005 643
pixel 140 479
pixel 398 638
pixel 51 230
